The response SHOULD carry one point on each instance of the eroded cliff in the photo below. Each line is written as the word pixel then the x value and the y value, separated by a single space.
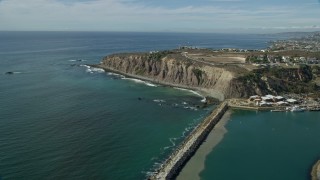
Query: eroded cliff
pixel 219 81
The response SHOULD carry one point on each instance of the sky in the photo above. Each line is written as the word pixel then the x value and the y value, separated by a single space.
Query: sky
pixel 160 15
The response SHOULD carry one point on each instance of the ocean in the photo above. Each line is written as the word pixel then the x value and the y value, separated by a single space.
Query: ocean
pixel 60 119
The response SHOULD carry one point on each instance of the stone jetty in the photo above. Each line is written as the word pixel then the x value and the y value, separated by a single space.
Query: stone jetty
pixel 315 173
pixel 175 162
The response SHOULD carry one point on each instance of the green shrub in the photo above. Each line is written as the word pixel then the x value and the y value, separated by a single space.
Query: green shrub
pixel 158 55
pixel 198 73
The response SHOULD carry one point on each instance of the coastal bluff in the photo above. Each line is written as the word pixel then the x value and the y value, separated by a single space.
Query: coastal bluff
pixel 173 69
pixel 220 80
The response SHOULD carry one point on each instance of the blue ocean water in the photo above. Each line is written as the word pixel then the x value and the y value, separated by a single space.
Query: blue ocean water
pixel 60 121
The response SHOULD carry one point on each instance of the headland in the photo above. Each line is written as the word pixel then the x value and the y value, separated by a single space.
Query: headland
pixel 232 74
pixel 219 74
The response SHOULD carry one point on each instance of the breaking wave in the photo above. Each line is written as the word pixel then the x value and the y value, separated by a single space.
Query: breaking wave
pixel 193 92
pixel 92 69
pixel 140 81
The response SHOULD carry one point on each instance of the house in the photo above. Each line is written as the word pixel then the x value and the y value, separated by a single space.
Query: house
pixel 265 104
pixel 285 59
pixel 282 103
pixel 251 98
pixel 292 101
pixel 256 99
pixel 268 98
pixel 278 98
pixel 302 59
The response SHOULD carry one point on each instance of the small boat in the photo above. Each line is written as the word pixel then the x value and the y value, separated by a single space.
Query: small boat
pixel 297 109
pixel 277 110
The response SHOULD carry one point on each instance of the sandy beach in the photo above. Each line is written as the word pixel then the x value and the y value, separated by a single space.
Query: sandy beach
pixel 196 164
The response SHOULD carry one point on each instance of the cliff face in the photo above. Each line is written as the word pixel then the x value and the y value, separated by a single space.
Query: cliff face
pixel 216 81
pixel 172 71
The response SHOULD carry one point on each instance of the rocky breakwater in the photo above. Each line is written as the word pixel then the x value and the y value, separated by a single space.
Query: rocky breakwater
pixel 173 69
pixel 315 172
pixel 172 166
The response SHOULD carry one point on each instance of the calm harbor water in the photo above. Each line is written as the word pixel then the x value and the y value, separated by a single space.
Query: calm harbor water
pixel 59 120
pixel 266 145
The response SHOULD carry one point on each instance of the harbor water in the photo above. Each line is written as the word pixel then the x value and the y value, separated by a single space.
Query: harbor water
pixel 266 145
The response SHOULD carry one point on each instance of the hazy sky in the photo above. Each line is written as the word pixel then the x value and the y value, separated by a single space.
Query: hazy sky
pixel 161 15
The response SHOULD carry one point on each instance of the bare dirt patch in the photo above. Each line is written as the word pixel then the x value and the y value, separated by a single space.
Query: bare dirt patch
pixel 225 59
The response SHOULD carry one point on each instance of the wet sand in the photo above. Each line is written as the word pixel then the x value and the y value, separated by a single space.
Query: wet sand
pixel 196 164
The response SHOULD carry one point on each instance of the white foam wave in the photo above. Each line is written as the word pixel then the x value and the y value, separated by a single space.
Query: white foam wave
pixel 89 70
pixel 157 164
pixel 115 74
pixel 92 69
pixel 79 60
pixel 159 100
pixel 185 131
pixel 194 108
pixel 191 108
pixel 83 65
pixel 148 173
pixel 193 92
pixel 99 70
pixel 172 140
pixel 150 84
pixel 140 81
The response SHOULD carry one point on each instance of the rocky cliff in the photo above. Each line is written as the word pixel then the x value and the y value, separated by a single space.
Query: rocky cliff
pixel 172 68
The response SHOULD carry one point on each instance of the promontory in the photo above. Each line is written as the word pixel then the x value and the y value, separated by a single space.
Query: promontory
pixel 219 74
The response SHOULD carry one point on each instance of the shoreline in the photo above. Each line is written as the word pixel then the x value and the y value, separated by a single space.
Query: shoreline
pixel 196 164
pixel 211 129
pixel 203 92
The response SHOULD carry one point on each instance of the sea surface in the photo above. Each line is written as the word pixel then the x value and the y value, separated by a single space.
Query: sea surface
pixel 265 146
pixel 60 119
